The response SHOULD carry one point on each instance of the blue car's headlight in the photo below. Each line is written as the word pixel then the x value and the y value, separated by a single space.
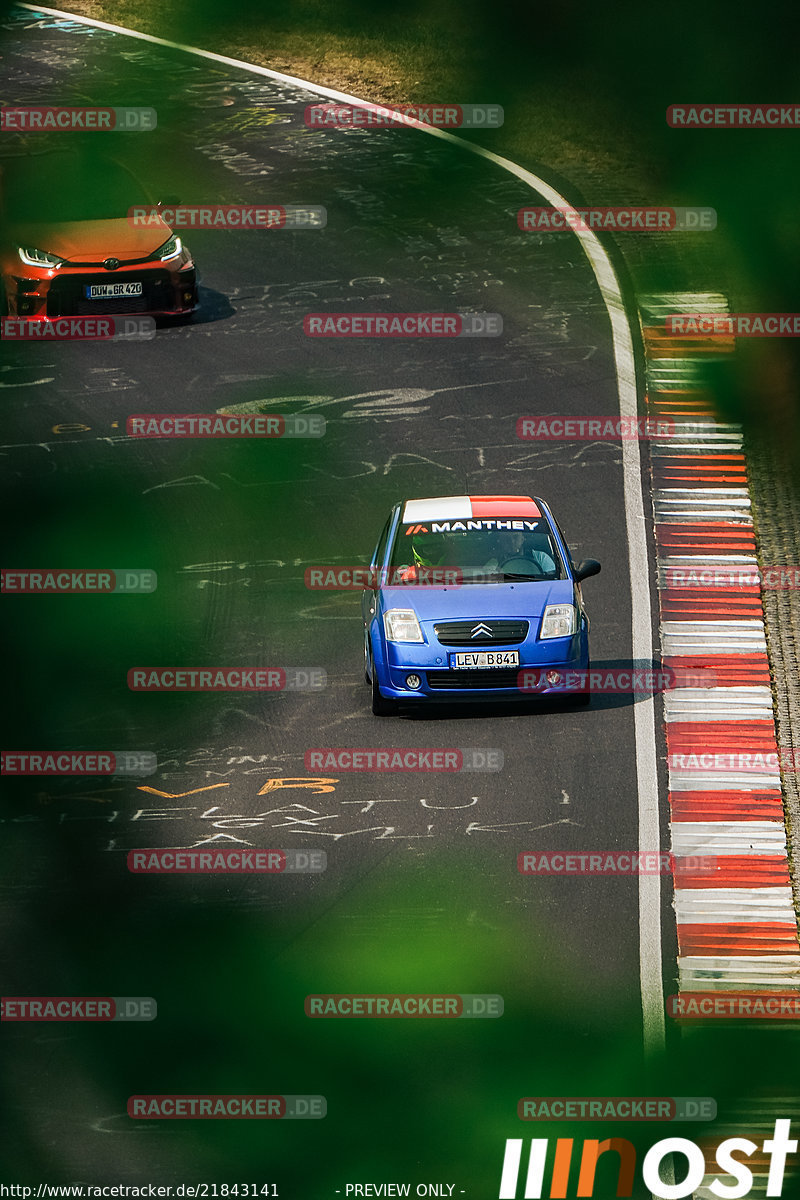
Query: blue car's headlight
pixel 558 621
pixel 401 625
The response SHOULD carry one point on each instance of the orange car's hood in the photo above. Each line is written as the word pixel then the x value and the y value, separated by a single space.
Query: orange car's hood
pixel 93 241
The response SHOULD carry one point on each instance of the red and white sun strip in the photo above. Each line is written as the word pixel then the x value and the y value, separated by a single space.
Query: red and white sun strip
pixel 736 927
pixel 465 508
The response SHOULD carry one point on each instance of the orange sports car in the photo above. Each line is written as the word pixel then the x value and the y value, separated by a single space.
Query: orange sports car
pixel 69 249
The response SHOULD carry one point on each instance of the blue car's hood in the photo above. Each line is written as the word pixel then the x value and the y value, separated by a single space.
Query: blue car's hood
pixel 479 599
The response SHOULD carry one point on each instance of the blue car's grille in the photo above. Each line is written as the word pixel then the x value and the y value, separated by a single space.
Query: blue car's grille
pixel 471 633
pixel 500 677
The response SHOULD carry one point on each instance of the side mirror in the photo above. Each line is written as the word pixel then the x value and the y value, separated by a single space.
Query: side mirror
pixel 585 568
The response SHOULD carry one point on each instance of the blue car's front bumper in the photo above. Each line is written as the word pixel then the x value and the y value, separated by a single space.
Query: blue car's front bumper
pixel 430 662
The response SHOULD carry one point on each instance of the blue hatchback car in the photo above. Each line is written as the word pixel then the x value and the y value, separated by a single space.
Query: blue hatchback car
pixel 473 598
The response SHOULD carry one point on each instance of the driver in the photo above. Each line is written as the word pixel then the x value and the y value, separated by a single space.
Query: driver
pixel 515 545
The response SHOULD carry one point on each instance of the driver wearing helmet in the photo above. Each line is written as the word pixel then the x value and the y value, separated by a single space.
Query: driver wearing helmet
pixel 427 550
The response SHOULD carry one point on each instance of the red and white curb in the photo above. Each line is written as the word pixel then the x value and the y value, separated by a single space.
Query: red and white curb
pixel 736 926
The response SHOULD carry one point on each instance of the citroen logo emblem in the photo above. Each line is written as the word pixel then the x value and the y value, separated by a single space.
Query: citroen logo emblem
pixel 111 264
pixel 480 631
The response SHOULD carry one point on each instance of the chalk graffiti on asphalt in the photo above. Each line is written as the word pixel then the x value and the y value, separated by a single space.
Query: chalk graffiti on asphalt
pixel 222 826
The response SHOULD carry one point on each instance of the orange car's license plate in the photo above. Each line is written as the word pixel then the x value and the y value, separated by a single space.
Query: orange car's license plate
pixel 111 291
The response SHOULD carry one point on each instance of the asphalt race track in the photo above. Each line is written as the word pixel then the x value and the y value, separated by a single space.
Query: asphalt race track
pixel 421 891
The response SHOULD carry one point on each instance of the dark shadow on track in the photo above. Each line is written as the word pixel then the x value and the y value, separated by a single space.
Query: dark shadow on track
pixel 214 306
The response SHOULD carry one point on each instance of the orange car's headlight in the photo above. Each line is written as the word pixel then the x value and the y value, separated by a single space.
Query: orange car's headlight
pixel 38 258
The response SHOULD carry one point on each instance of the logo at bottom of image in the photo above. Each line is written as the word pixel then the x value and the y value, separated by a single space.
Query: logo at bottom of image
pixel 238 1107
pixel 393 1004
pixel 692 1164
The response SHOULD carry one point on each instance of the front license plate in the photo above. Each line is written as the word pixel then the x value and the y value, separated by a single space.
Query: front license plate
pixel 111 291
pixel 484 658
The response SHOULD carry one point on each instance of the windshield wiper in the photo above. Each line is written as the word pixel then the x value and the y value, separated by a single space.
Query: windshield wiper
pixel 527 578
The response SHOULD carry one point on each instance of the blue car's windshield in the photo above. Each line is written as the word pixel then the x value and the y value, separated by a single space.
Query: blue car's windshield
pixel 479 553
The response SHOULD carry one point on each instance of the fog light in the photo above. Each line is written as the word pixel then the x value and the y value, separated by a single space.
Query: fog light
pixel 25 306
pixel 187 297
pixel 413 682
pixel 553 678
